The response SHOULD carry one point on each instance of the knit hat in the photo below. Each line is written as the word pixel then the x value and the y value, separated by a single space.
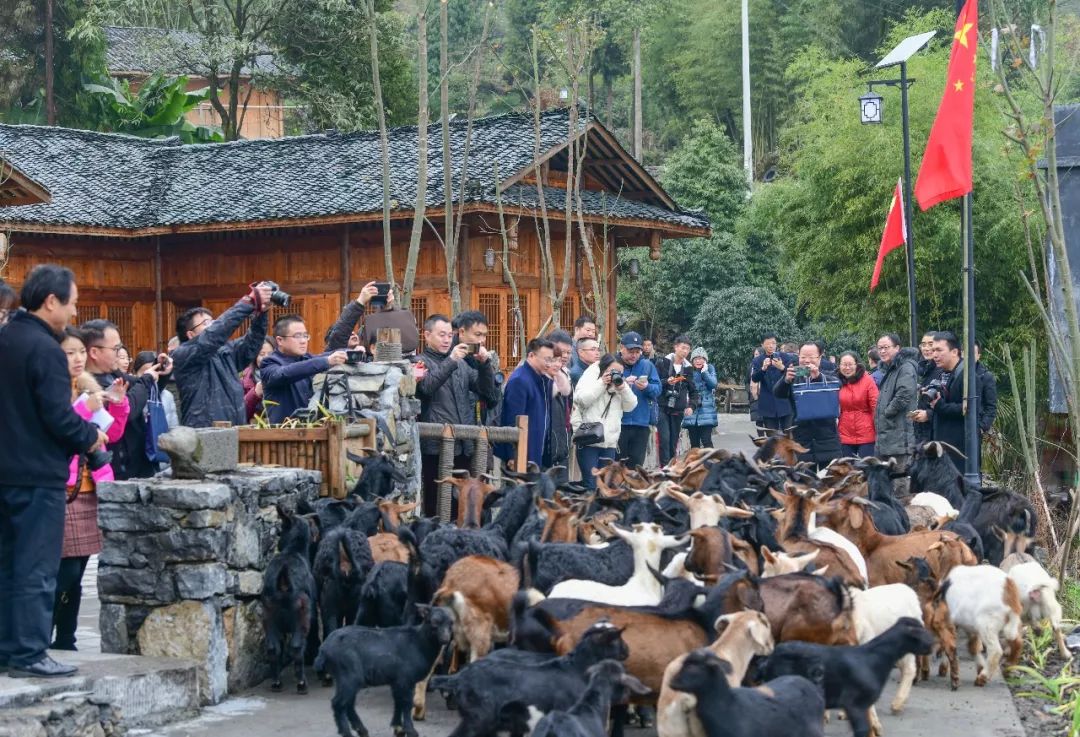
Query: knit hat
pixel 699 352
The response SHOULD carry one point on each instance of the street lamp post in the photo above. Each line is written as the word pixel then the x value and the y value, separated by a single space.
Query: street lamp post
pixel 870 111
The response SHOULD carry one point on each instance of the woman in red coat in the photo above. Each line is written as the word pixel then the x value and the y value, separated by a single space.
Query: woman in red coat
pixel 858 400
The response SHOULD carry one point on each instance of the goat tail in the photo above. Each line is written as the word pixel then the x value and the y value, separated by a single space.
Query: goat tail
pixel 320 661
pixel 835 585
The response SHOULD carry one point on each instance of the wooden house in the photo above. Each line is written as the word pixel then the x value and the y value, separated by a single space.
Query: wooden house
pixel 153 227
pixel 136 53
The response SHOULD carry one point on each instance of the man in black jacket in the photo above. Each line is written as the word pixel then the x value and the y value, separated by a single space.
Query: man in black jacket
pixel 41 434
pixel 447 373
pixel 988 399
pixel 207 364
pixel 819 435
pixel 948 407
pixel 678 396
pixel 927 371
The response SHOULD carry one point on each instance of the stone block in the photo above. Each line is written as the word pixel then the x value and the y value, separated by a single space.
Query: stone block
pixel 248 663
pixel 140 584
pixel 193 630
pixel 205 518
pixel 114 517
pixel 407 386
pixel 112 621
pixel 183 545
pixel 374 368
pixel 245 546
pixel 220 448
pixel 181 494
pixel 200 581
pixel 365 384
pixel 246 583
pixel 126 492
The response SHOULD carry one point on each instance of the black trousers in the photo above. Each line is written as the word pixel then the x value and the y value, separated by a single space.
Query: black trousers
pixel 68 600
pixel 701 436
pixel 669 426
pixel 633 442
pixel 774 423
pixel 31 535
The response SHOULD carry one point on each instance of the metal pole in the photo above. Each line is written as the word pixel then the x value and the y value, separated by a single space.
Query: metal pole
pixel 971 395
pixel 910 231
pixel 748 139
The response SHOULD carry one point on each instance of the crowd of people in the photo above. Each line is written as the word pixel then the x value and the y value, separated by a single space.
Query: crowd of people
pixel 900 397
pixel 80 407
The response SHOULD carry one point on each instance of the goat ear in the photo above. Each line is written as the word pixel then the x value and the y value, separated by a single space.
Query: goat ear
pixel 722 623
pixel 634 685
pixel 999 533
pixel 778 496
pixel 857 515
pixel 767 555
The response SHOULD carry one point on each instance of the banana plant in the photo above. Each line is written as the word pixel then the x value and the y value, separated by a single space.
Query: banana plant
pixel 157 109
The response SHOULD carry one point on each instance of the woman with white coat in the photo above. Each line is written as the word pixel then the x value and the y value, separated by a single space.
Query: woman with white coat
pixel 601 396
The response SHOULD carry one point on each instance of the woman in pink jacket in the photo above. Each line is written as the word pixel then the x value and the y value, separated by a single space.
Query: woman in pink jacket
pixel 82 538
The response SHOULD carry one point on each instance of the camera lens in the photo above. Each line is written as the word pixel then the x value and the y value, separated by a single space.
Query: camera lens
pixel 98 459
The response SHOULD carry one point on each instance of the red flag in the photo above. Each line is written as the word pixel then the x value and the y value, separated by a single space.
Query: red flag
pixel 945 172
pixel 895 234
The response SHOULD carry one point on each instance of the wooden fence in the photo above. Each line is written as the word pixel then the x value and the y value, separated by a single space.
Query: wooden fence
pixel 315 448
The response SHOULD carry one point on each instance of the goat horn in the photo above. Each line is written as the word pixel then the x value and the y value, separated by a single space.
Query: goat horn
pixel 952 448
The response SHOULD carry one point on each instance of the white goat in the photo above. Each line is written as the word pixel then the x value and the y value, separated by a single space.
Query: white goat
pixel 877 609
pixel 706 510
pixel 940 505
pixel 648 541
pixel 1038 594
pixel 742 636
pixel 985 603
pixel 779 563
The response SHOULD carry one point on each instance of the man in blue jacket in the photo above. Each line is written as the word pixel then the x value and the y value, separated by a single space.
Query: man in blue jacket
pixel 774 412
pixel 41 434
pixel 287 372
pixel 528 392
pixel 645 382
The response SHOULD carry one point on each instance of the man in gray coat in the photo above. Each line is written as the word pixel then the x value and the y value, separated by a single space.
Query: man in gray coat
pixel 897 398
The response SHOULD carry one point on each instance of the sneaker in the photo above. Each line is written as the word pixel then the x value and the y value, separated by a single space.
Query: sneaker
pixel 44 668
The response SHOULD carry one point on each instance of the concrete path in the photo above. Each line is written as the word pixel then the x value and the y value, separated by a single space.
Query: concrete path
pixel 932 709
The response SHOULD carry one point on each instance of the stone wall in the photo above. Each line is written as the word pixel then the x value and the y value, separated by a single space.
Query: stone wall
pixel 181 568
pixel 387 392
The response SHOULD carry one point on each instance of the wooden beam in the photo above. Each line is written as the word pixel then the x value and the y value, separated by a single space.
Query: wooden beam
pixel 159 310
pixel 346 265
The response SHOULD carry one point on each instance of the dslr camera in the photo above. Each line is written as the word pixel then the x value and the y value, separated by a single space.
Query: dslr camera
pixel 616 378
pixel 278 297
pixel 933 390
pixel 98 459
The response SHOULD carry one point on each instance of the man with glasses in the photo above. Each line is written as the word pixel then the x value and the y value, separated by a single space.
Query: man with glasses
pixel 287 372
pixel 897 398
pixel 926 371
pixel 588 353
pixel 103 345
pixel 207 364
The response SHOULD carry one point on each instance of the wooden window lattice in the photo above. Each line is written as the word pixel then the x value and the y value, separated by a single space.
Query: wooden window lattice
pixel 490 304
pixel 419 309
pixel 124 319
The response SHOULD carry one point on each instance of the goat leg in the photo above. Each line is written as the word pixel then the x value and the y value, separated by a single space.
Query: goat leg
pixel 344 707
pixel 861 721
pixel 419 708
pixel 1060 639
pixel 907 677
pixel 296 653
pixel 274 648
pixel 924 667
pixel 875 724
pixel 402 721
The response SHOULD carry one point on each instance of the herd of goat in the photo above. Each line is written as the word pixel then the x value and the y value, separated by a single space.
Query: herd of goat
pixel 721 595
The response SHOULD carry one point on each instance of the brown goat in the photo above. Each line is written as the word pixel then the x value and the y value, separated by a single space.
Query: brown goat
pixel 935 618
pixel 478 590
pixel 560 522
pixel 472 495
pixel 792 535
pixel 943 550
pixel 386 546
pixel 712 552
pixel 781 447
pixel 802 606
pixel 391 512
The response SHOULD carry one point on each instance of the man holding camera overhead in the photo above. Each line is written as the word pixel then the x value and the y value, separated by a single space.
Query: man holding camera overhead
pixel 207 365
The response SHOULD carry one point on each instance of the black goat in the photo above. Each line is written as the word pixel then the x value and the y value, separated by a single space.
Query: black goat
pixel 854 675
pixel 377 478
pixel 608 683
pixel 384 595
pixel 783 707
pixel 342 563
pixel 288 599
pixel 531 628
pixel 888 513
pixel 551 563
pixel 398 657
pixel 1003 509
pixel 932 470
pixel 484 687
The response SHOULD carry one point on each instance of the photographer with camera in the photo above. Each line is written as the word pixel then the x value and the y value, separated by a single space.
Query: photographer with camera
pixel 287 372
pixel 601 397
pixel 774 413
pixel 678 396
pixel 207 364
pixel 130 460
pixel 927 372
pixel 945 397
pixel 41 433
pixel 816 396
pixel 640 374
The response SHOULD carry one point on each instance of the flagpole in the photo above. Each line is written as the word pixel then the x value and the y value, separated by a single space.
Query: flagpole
pixel 908 229
pixel 971 413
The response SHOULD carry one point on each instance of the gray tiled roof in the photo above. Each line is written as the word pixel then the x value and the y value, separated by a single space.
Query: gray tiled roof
pixel 117 181
pixel 149 50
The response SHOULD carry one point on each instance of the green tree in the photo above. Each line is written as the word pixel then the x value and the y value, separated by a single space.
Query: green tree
pixel 730 323
pixel 705 173
pixel 822 218
pixel 157 110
